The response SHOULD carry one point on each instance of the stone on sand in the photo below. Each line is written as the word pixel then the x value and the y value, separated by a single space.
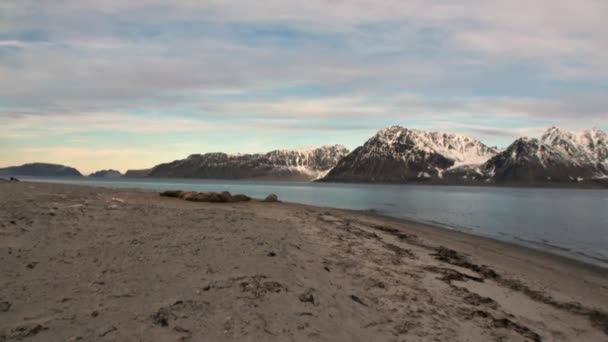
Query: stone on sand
pixel 241 198
pixel 187 195
pixel 271 198
pixel 171 193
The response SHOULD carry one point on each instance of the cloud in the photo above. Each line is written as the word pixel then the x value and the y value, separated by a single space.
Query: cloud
pixel 76 152
pixel 146 67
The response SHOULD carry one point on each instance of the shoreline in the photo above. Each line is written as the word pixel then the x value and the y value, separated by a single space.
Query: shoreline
pixel 593 184
pixel 98 263
pixel 526 245
pixel 562 252
pixel 590 184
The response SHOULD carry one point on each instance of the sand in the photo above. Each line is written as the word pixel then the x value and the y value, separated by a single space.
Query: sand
pixel 76 265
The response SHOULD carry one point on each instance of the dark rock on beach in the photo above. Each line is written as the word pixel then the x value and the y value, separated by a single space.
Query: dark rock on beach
pixel 212 197
pixel 271 198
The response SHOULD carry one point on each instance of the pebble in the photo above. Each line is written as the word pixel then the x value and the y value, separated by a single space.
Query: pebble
pixel 5 306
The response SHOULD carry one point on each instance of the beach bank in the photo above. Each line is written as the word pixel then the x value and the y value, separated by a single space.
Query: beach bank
pixel 86 263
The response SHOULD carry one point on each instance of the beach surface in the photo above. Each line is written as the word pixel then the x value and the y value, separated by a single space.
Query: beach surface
pixel 95 264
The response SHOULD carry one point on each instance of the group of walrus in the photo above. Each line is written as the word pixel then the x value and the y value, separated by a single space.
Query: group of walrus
pixel 213 197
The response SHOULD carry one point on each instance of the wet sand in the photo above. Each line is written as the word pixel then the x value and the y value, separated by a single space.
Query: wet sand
pixel 76 265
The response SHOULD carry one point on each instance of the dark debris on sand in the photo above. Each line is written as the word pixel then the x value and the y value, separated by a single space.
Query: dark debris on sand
pixel 213 197
pixel 458 259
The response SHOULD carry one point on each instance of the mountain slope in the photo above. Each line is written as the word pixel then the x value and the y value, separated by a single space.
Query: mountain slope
pixel 398 154
pixel 305 164
pixel 41 170
pixel 106 174
pixel 558 156
pixel 137 173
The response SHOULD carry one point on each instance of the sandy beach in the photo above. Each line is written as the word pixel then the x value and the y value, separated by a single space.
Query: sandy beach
pixel 86 264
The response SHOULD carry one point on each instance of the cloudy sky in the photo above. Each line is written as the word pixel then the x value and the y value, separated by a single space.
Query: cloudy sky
pixel 131 83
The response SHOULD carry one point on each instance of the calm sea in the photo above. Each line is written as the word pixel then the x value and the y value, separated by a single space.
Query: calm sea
pixel 569 222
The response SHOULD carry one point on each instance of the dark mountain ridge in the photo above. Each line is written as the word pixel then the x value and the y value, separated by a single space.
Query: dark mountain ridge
pixel 41 170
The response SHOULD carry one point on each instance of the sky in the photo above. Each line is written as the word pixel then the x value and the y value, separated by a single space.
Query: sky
pixel 128 84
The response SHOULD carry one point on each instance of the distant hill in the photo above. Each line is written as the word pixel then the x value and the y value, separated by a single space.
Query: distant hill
pixel 396 154
pixel 137 173
pixel 41 170
pixel 304 164
pixel 106 174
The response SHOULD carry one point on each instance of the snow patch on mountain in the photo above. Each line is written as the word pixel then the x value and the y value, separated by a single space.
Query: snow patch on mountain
pixel 558 155
pixel 306 163
pixel 584 148
pixel 461 149
pixel 399 154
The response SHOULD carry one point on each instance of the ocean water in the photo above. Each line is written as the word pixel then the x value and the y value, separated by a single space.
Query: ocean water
pixel 569 222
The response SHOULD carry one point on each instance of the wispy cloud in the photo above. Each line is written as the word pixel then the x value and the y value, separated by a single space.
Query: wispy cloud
pixel 320 69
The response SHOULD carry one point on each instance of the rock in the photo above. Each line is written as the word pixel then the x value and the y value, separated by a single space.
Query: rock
pixel 217 198
pixel 200 197
pixel 213 197
pixel 259 287
pixel 271 198
pixel 226 197
pixel 357 299
pixel 24 331
pixel 187 195
pixel 307 297
pixel 5 306
pixel 161 317
pixel 118 200
pixel 241 198
pixel 13 179
pixel 171 193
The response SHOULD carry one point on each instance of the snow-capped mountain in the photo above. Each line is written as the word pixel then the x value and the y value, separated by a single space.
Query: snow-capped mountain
pixel 588 148
pixel 399 154
pixel 558 156
pixel 303 164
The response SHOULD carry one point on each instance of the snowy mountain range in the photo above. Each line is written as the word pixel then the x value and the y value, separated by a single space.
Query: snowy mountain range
pixel 401 155
pixel 558 156
pixel 302 164
pixel 396 154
